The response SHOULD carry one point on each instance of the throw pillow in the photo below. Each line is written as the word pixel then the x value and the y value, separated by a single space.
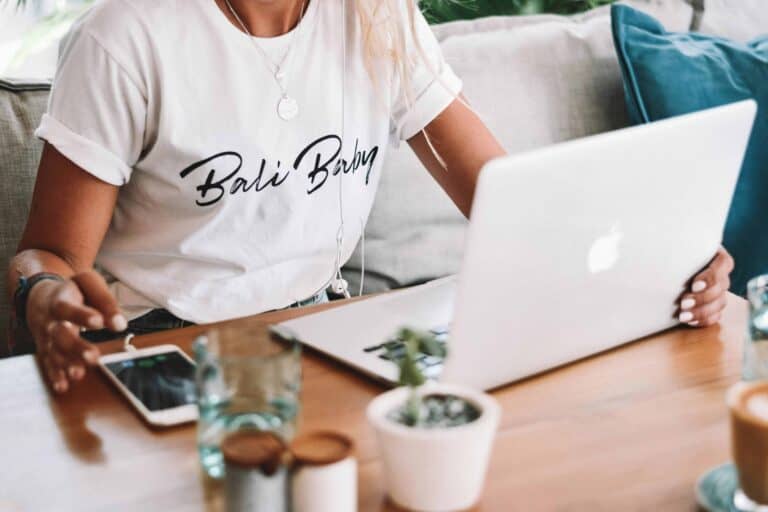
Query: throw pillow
pixel 668 74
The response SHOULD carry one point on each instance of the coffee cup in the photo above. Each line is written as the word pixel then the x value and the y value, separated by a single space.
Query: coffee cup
pixel 748 404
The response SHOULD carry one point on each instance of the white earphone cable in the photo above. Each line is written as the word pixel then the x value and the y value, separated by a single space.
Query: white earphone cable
pixel 341 285
pixel 362 258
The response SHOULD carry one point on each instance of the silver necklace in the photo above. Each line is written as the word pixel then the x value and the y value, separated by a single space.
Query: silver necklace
pixel 287 107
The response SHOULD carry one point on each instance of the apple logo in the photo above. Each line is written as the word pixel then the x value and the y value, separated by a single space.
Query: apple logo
pixel 604 252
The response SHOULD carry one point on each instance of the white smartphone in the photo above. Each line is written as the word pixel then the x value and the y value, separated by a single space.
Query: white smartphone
pixel 158 381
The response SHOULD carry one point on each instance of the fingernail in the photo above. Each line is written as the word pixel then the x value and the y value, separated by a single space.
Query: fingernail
pixel 119 323
pixel 694 323
pixel 96 322
pixel 78 372
pixel 687 303
pixel 91 356
pixel 686 316
pixel 51 326
pixel 60 386
pixel 699 286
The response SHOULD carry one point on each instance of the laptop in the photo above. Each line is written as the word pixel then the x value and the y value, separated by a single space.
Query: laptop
pixel 571 250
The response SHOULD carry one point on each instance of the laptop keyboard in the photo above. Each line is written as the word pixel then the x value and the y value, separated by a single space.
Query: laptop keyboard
pixel 394 350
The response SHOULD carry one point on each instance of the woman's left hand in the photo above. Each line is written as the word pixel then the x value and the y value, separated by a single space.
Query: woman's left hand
pixel 703 304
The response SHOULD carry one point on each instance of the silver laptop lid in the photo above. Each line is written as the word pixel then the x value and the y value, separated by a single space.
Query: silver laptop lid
pixel 577 248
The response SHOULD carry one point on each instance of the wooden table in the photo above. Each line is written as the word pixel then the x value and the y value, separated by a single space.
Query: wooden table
pixel 630 429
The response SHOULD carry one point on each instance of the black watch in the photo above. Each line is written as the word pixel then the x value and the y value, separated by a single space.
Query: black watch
pixel 21 295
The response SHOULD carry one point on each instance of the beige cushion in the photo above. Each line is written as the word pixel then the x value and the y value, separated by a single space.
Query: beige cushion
pixel 21 107
pixel 535 80
pixel 735 19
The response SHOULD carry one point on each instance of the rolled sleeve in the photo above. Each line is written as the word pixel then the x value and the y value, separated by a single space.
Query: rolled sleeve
pixel 96 113
pixel 84 153
pixel 431 84
pixel 427 106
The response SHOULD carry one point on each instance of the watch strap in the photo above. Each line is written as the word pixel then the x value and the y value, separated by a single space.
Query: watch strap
pixel 21 295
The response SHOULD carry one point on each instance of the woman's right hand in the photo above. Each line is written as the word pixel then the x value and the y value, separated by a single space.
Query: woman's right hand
pixel 56 313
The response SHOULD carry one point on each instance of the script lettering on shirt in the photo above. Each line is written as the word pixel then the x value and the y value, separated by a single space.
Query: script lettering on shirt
pixel 318 161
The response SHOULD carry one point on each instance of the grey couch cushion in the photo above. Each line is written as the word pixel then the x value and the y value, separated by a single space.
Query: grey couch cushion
pixel 735 19
pixel 21 106
pixel 535 80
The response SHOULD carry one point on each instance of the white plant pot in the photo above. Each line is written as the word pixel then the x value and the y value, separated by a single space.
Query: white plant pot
pixel 435 469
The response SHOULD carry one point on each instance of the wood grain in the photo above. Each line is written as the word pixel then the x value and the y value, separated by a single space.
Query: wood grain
pixel 629 429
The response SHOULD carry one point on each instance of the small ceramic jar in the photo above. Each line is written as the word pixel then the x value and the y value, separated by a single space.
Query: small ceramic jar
pixel 256 474
pixel 324 474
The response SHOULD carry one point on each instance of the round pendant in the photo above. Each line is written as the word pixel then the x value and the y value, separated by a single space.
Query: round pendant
pixel 287 108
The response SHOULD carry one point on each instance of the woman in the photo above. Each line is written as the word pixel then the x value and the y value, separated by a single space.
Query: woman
pixel 219 158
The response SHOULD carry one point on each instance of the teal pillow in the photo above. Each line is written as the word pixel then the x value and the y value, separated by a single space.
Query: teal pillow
pixel 668 74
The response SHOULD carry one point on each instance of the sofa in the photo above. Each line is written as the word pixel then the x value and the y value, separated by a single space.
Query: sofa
pixel 535 80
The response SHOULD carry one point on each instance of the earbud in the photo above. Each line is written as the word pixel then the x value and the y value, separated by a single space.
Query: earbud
pixel 340 286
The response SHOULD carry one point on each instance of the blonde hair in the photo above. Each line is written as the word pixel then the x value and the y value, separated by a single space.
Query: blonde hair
pixel 387 27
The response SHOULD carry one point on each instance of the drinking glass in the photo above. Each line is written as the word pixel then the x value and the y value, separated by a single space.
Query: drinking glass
pixel 755 365
pixel 248 378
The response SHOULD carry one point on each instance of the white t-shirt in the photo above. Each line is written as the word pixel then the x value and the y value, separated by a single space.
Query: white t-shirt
pixel 226 210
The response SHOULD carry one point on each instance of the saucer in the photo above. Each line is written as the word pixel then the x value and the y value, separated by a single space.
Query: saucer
pixel 716 487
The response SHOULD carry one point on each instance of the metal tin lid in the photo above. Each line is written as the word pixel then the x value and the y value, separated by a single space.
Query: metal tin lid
pixel 321 448
pixel 256 450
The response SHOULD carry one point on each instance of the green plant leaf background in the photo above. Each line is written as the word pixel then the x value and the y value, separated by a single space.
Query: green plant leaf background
pixel 440 11
pixel 52 27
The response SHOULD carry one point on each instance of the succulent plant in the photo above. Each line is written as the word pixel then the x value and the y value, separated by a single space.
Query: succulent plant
pixel 416 344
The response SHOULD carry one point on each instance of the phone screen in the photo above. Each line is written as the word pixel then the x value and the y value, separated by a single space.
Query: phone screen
pixel 159 381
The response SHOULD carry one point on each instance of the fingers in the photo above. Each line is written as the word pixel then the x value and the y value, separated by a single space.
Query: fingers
pixel 703 304
pixel 53 365
pixel 723 262
pixel 67 341
pixel 719 268
pixel 55 313
pixel 74 369
pixel 96 292
pixel 691 304
pixel 56 376
pixel 711 320
pixel 65 355
pixel 706 314
pixel 66 305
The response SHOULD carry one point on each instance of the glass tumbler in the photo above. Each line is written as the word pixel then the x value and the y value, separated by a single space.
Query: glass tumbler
pixel 755 366
pixel 248 378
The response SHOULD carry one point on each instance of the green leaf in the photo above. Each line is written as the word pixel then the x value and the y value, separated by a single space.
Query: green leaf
pixel 439 11
pixel 412 344
pixel 410 375
pixel 430 346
